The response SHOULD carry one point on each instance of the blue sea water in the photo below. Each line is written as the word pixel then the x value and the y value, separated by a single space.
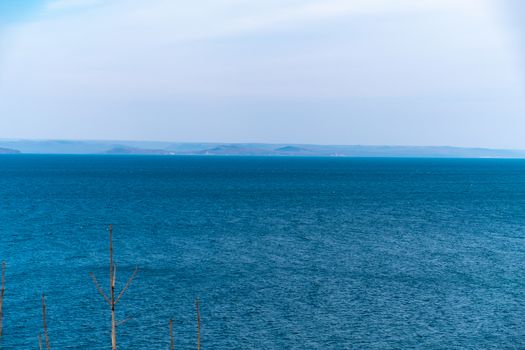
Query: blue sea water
pixel 284 253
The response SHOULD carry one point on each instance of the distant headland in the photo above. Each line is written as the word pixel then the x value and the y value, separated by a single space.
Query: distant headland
pixel 8 146
pixel 8 151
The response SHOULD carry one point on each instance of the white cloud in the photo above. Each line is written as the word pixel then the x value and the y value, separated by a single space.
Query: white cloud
pixel 214 18
pixel 161 43
pixel 119 56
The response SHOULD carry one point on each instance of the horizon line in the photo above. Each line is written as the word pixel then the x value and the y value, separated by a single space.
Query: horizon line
pixel 255 143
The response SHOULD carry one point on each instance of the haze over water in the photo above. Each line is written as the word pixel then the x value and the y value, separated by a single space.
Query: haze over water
pixel 284 253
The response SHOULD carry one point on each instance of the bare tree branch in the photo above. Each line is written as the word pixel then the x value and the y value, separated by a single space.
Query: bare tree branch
pixel 2 293
pixel 198 324
pixel 99 288
pixel 44 322
pixel 110 298
pixel 172 340
pixel 127 284
pixel 114 276
pixel 119 323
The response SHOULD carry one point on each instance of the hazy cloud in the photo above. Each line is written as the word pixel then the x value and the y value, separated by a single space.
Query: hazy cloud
pixel 133 63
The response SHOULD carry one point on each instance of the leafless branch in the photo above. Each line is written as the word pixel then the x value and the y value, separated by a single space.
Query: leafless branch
pixel 198 324
pixel 44 322
pixel 2 293
pixel 110 298
pixel 119 323
pixel 172 340
pixel 99 288
pixel 40 347
pixel 127 284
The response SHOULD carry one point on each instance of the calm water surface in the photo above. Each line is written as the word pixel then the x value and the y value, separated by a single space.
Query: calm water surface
pixel 284 253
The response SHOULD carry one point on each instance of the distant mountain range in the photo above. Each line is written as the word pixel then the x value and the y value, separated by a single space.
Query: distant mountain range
pixel 245 149
pixel 134 150
pixel 8 151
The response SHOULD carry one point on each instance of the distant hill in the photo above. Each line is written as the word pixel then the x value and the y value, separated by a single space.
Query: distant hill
pixel 75 146
pixel 133 150
pixel 290 149
pixel 247 149
pixel 231 150
pixel 8 151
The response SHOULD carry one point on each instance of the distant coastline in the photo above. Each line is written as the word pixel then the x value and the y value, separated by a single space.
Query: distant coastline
pixel 9 151
pixel 246 149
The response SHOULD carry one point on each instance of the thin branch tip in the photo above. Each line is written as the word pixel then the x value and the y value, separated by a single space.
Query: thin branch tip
pixel 128 283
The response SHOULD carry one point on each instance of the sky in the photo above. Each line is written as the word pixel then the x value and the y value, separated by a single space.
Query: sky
pixel 369 72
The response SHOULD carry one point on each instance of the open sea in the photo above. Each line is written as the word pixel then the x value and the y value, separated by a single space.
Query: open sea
pixel 283 253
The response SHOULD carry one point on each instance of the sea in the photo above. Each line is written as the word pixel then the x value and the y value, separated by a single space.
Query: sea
pixel 281 252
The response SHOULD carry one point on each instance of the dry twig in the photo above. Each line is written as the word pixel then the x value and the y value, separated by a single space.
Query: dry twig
pixel 44 322
pixel 2 293
pixel 40 347
pixel 198 324
pixel 172 340
pixel 111 300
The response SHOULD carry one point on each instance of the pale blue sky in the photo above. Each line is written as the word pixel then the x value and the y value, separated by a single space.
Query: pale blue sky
pixel 400 72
